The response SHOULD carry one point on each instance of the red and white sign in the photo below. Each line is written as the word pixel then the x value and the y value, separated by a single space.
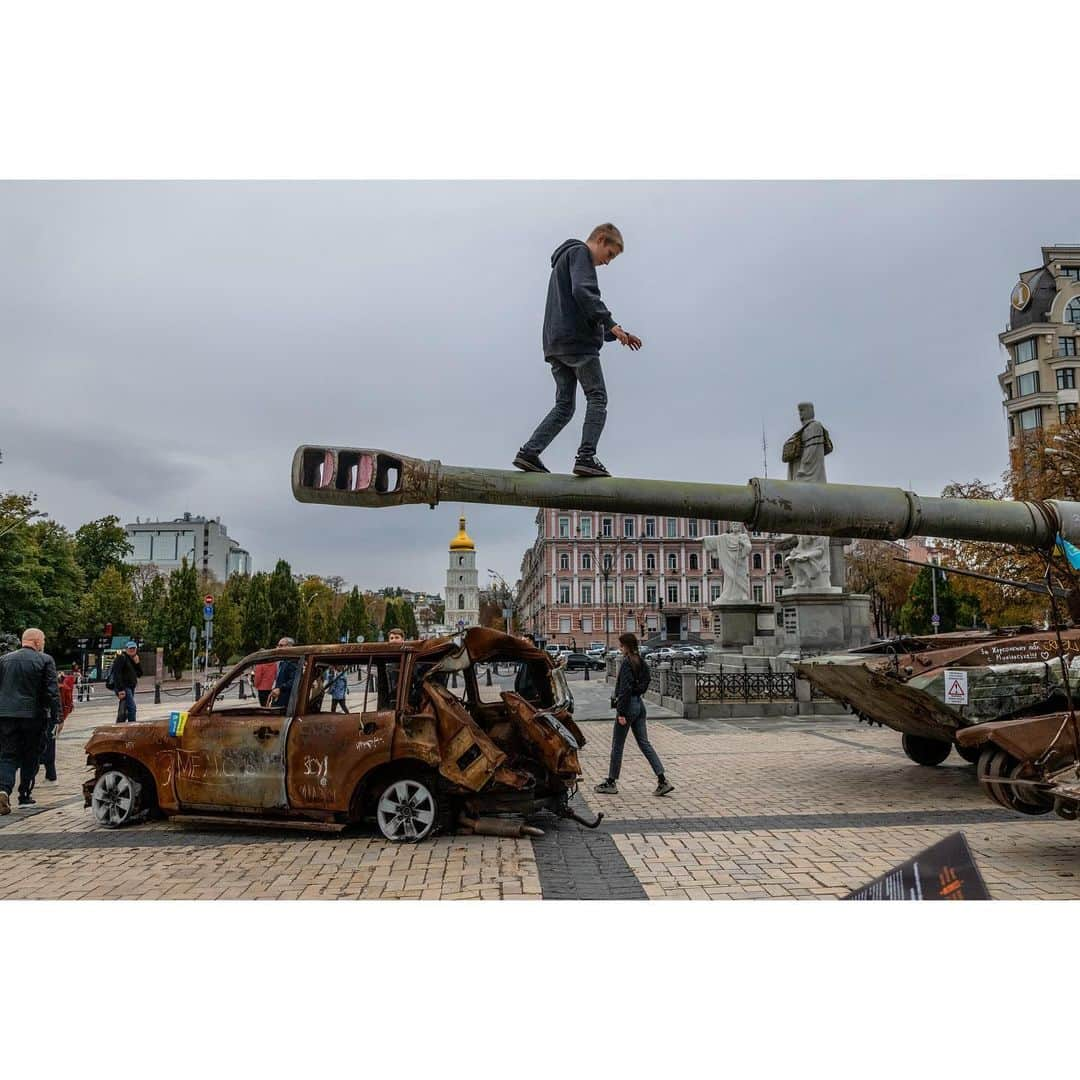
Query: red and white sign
pixel 956 687
pixel 208 600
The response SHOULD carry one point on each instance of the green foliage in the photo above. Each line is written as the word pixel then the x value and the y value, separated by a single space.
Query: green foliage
pixel 61 582
pixel 916 612
pixel 408 620
pixel 391 619
pixel 108 600
pixel 227 624
pixel 21 595
pixel 184 609
pixel 318 625
pixel 284 596
pixel 152 610
pixel 102 544
pixel 255 620
pixel 354 620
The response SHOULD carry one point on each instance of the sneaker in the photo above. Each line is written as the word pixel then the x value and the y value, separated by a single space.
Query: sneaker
pixel 589 466
pixel 608 787
pixel 27 800
pixel 663 788
pixel 528 462
pixel 5 803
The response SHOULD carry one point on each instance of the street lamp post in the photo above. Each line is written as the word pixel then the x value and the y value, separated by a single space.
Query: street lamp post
pixel 508 600
pixel 605 573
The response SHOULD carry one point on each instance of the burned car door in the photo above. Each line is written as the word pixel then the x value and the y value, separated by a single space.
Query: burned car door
pixel 230 756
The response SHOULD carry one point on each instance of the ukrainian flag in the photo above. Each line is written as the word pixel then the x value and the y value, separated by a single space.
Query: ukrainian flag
pixel 177 720
pixel 1070 551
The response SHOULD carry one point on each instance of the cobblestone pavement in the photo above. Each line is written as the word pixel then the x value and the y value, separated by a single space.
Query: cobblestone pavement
pixel 762 809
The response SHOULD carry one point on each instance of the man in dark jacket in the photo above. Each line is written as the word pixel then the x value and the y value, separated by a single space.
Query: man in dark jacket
pixel 125 674
pixel 29 701
pixel 576 325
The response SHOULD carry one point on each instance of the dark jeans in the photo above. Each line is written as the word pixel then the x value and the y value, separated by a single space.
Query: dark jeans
pixel 125 708
pixel 568 373
pixel 48 755
pixel 335 702
pixel 641 735
pixel 20 745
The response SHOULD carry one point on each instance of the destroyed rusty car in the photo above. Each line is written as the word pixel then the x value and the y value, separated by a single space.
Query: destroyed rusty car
pixel 417 752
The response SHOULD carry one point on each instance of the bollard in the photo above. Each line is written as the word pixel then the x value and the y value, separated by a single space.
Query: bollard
pixel 489 675
pixel 371 684
pixel 157 693
pixel 243 693
pixel 586 672
pixel 453 679
pixel 198 690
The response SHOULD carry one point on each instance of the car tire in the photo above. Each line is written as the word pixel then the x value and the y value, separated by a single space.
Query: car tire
pixel 925 751
pixel 969 753
pixel 117 799
pixel 407 808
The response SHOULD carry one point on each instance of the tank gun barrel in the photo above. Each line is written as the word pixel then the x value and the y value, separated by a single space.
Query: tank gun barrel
pixel 351 476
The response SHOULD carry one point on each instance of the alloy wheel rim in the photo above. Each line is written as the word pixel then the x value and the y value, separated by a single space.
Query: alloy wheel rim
pixel 406 811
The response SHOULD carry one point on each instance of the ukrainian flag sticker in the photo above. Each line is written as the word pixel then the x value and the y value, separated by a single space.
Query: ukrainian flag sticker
pixel 177 720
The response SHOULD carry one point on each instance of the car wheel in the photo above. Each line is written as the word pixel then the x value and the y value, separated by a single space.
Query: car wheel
pixel 969 753
pixel 925 751
pixel 406 809
pixel 117 798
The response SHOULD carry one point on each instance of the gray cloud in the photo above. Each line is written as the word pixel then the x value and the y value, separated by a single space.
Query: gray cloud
pixel 166 346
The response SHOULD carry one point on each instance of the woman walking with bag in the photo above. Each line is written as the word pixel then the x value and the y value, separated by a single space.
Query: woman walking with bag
pixel 632 682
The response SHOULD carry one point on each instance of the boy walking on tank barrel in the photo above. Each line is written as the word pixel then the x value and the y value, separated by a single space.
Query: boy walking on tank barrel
pixel 576 325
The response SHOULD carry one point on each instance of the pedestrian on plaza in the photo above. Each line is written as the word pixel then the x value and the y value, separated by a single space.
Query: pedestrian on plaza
pixel 286 675
pixel 576 325
pixel 29 698
pixel 396 636
pixel 265 674
pixel 66 687
pixel 631 682
pixel 339 687
pixel 124 675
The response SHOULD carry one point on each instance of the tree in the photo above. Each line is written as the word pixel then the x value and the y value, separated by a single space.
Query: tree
pixel 317 623
pixel 284 596
pixel 872 569
pixel 353 621
pixel 21 595
pixel 491 615
pixel 916 613
pixel 227 626
pixel 255 620
pixel 153 614
pixel 108 600
pixel 184 611
pixel 390 619
pixel 408 620
pixel 102 544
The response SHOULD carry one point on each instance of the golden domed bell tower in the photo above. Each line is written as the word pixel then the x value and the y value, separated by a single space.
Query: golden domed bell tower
pixel 462 590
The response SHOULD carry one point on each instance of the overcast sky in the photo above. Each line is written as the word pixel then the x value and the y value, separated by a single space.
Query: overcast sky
pixel 166 346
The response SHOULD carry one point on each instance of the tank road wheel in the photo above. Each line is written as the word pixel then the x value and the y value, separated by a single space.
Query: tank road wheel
pixel 969 753
pixel 406 809
pixel 995 764
pixel 116 799
pixel 925 751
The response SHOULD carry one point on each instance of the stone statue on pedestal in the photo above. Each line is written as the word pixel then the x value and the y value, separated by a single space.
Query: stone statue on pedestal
pixel 732 551
pixel 804 453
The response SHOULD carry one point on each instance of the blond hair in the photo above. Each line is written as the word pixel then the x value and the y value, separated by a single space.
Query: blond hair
pixel 609 234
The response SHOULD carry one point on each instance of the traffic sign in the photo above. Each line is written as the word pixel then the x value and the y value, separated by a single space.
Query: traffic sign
pixel 956 687
pixel 935 620
pixel 208 600
pixel 208 612
pixel 194 634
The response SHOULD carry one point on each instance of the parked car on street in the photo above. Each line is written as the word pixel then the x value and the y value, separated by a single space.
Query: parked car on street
pixel 414 756
pixel 577 661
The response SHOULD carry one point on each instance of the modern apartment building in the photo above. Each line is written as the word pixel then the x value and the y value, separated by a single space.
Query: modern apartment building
pixel 1042 343
pixel 590 576
pixel 204 542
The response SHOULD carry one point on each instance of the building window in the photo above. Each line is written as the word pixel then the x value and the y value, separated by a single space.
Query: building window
pixel 714 563
pixel 694 561
pixel 1012 427
pixel 1008 391
pixel 1072 311
pixel 714 593
pixel 1066 346
pixel 564 561
pixel 586 562
pixel 1071 272
pixel 650 528
pixel 586 624
pixel 609 593
pixel 629 594
pixel 1027 384
pixel 673 594
pixel 756 560
pixel 1066 378
pixel 1030 419
pixel 585 527
pixel 694 592
pixel 564 593
pixel 691 528
pixel 714 528
pixel 564 528
pixel 1028 349
pixel 650 594
pixel 673 561
pixel 461 601
pixel 650 562
pixel 586 594
pixel 628 562
pixel 778 591
pixel 759 594
pixel 564 624
pixel 606 528
pixel 672 524
pixel 607 564
pixel 1066 413
pixel 628 528
pixel 777 560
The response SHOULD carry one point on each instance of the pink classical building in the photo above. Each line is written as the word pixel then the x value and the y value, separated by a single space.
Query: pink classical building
pixel 589 576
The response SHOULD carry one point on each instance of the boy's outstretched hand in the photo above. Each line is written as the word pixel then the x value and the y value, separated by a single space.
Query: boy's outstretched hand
pixel 631 341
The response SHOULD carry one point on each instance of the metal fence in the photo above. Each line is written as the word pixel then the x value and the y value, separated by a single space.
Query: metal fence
pixel 746 686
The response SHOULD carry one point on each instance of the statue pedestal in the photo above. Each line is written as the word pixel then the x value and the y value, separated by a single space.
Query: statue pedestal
pixel 737 624
pixel 819 622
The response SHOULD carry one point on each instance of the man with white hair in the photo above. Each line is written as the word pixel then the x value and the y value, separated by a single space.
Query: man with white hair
pixel 29 703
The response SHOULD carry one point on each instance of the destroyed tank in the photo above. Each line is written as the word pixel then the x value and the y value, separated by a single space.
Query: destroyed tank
pixel 900 684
